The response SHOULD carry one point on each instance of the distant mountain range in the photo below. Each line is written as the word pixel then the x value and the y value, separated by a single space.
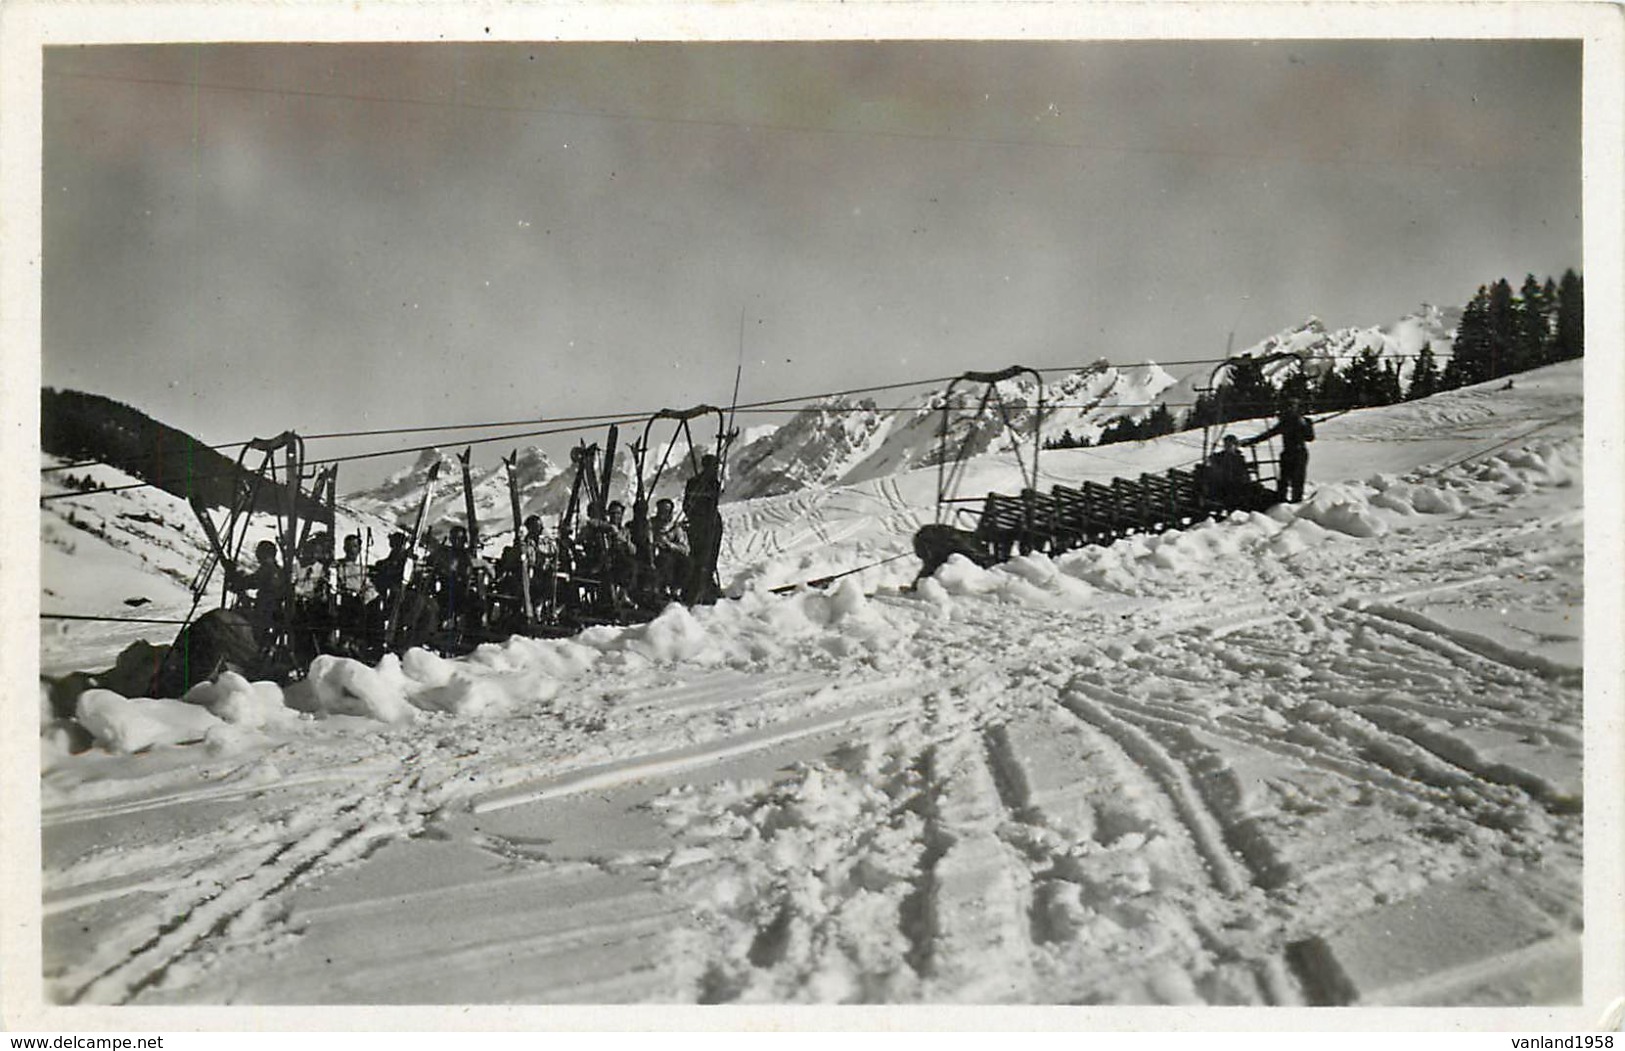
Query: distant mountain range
pixel 843 440
pixel 1325 348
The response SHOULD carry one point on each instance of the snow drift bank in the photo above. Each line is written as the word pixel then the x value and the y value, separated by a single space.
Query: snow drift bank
pixel 760 629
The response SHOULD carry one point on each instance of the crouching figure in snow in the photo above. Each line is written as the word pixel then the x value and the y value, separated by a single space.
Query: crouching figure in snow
pixel 936 544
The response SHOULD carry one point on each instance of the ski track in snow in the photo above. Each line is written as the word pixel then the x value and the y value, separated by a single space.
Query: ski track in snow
pixel 1104 778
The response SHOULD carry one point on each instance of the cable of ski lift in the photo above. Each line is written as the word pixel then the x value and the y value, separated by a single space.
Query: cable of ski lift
pixel 347 459
pixel 593 421
pixel 588 422
pixel 823 582
pixel 766 406
pixel 1554 421
pixel 111 620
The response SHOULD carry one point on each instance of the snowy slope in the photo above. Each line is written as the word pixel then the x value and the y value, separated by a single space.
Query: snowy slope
pixel 1325 755
pixel 99 551
pixel 130 553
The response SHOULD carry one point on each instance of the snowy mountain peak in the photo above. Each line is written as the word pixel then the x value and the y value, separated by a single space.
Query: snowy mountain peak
pixel 840 441
pixel 1324 348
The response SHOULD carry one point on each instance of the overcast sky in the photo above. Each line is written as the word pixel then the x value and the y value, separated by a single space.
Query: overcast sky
pixel 245 239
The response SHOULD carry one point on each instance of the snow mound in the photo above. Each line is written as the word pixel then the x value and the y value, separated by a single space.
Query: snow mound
pixel 758 628
pixel 125 724
pixel 342 686
pixel 1344 509
pixel 1404 498
pixel 235 700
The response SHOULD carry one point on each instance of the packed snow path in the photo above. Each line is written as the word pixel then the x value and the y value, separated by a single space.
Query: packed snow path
pixel 1329 755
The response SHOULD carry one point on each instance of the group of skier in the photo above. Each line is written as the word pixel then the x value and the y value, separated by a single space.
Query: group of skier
pixel 446 593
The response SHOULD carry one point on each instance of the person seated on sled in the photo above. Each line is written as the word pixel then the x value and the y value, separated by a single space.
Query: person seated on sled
pixel 356 594
pixel 313 596
pixel 387 572
pixel 544 561
pixel 260 593
pixel 405 597
pixel 313 577
pixel 670 548
pixel 639 533
pixel 609 552
pixel 536 548
pixel 460 578
pixel 1229 474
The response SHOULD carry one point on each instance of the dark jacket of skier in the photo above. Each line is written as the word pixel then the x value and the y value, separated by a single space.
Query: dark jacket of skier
pixel 701 496
pixel 461 579
pixel 1229 473
pixel 262 591
pixel 1296 431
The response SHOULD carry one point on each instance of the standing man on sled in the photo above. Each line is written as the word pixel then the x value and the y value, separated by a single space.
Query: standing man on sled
pixel 1296 431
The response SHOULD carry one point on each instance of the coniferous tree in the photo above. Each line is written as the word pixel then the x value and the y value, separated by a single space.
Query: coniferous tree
pixel 1204 412
pixel 1503 330
pixel 1332 392
pixel 1299 386
pixel 1248 393
pixel 1119 430
pixel 1470 356
pixel 1529 326
pixel 1549 301
pixel 1160 422
pixel 1065 441
pixel 1389 390
pixel 1570 337
pixel 1362 379
pixel 1425 376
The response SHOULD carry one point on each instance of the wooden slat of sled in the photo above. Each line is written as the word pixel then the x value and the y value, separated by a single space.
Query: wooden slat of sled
pixel 1103 508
